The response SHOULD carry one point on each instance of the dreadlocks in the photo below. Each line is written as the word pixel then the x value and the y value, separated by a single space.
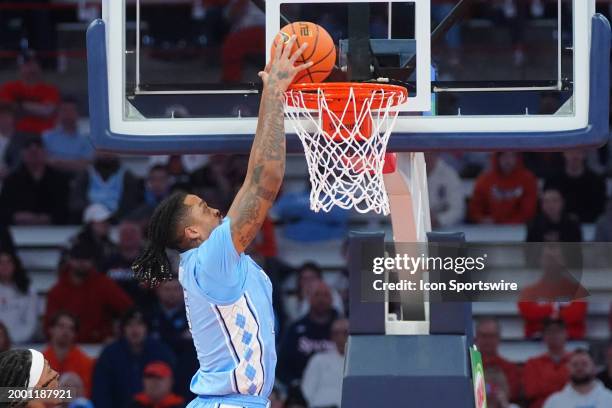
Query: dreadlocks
pixel 153 266
pixel 15 372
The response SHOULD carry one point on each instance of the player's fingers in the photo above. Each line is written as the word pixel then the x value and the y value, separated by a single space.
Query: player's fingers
pixel 264 76
pixel 278 50
pixel 288 47
pixel 267 67
pixel 298 53
pixel 302 67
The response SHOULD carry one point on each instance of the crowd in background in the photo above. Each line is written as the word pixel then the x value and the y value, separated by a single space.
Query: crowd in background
pixel 51 175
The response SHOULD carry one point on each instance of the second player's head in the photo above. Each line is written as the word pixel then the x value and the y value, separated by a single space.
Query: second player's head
pixel 180 222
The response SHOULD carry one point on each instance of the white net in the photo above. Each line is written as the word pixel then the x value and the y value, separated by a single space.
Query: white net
pixel 345 139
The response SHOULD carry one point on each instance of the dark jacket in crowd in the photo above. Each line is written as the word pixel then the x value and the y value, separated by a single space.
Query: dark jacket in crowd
pixel 102 248
pixel 171 327
pixel 119 269
pixel 6 239
pixel 542 229
pixel 21 192
pixel 303 338
pixel 574 191
pixel 118 371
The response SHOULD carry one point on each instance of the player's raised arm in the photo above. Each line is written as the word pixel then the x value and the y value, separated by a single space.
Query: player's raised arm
pixel 267 160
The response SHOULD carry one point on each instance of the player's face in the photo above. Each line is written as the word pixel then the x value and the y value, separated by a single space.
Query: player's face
pixel 49 377
pixel 203 219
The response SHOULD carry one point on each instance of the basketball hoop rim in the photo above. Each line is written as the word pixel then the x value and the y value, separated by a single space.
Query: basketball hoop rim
pixel 340 92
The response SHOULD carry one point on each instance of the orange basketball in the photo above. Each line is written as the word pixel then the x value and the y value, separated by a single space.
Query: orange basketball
pixel 321 49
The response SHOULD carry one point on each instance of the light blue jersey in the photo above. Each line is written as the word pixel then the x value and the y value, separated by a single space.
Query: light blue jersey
pixel 228 299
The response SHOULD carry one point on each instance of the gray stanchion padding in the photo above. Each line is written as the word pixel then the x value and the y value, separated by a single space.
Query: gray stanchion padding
pixel 364 318
pixel 407 371
pixel 450 318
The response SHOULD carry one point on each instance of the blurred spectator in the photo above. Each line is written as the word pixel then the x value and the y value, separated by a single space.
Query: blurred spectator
pixel 157 187
pixel 307 336
pixel 498 393
pixel 34 100
pixel 552 222
pixel 548 373
pixel 93 298
pixel 72 381
pixel 295 399
pixel 546 299
pixel 605 376
pixel 180 167
pixel 304 225
pixel 213 181
pixel 118 265
pixel 18 302
pixel 118 371
pixel 108 183
pixel 34 194
pixel 5 338
pixel 309 276
pixel 157 388
pixel 505 194
pixel 322 382
pixel 95 234
pixel 6 240
pixel 62 352
pixel 577 182
pixel 487 340
pixel 467 164
pixel 6 134
pixel 167 319
pixel 67 148
pixel 246 38
pixel 583 389
pixel 276 399
pixel 265 240
pixel 9 141
pixel 446 198
pixel 603 227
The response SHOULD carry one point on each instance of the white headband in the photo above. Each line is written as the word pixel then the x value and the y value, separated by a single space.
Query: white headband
pixel 36 369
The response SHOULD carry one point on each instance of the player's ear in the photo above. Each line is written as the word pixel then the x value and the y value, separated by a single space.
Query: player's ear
pixel 191 233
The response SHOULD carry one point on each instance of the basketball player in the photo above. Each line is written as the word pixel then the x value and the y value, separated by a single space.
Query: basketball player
pixel 228 297
pixel 26 369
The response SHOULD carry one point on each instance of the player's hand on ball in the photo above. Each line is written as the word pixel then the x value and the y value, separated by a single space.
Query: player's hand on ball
pixel 281 70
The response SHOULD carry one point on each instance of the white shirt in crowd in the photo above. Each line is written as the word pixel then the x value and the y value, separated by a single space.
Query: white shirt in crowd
pixel 599 397
pixel 322 380
pixel 446 198
pixel 18 312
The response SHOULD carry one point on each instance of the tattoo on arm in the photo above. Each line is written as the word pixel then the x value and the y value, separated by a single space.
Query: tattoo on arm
pixel 249 218
pixel 266 166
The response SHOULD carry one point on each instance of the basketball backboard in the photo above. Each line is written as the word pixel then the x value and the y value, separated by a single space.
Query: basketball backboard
pixel 481 76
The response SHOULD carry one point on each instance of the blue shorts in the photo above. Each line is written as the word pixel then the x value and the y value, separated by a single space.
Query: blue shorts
pixel 229 401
